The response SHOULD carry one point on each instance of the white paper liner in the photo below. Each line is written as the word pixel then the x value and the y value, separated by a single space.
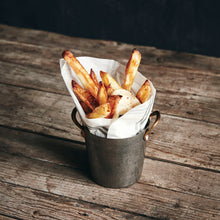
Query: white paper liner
pixel 127 125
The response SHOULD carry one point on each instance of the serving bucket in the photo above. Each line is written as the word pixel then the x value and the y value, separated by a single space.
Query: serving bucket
pixel 116 163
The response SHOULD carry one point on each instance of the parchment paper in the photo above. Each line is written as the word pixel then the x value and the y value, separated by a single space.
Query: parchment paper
pixel 127 125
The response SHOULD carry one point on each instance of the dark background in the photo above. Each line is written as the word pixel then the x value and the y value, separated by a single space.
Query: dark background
pixel 180 25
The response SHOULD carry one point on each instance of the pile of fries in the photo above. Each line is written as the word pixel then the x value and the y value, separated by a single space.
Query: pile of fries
pixel 107 99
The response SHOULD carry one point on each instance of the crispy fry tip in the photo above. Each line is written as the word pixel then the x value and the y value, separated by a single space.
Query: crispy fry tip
pixel 135 51
pixel 94 77
pixel 66 53
pixel 73 83
pixel 144 92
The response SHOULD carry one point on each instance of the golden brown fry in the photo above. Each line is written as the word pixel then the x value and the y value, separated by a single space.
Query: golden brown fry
pixel 94 78
pixel 109 90
pixel 131 69
pixel 85 107
pixel 82 74
pixel 144 92
pixel 84 95
pixel 113 101
pixel 101 111
pixel 108 80
pixel 102 94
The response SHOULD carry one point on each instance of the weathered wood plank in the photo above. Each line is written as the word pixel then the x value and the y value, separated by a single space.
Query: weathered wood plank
pixel 189 106
pixel 47 113
pixel 30 55
pixel 177 139
pixel 170 102
pixel 151 55
pixel 26 203
pixel 66 153
pixel 181 179
pixel 166 78
pixel 30 77
pixel 195 107
pixel 139 198
pixel 180 140
pixel 183 80
pixel 40 147
pixel 190 142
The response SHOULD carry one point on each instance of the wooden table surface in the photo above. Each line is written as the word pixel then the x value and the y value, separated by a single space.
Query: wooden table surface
pixel 43 165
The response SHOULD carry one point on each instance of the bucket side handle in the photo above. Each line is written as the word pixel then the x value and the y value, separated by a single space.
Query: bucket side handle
pixel 73 115
pixel 157 114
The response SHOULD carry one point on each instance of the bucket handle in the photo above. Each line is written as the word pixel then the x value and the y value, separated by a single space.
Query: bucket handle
pixel 73 115
pixel 157 114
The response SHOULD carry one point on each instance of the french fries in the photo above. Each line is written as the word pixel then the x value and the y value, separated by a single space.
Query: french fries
pixel 101 111
pixel 131 69
pixel 113 101
pixel 108 80
pixel 102 94
pixel 84 95
pixel 109 90
pixel 82 74
pixel 144 92
pixel 85 107
pixel 94 78
pixel 102 99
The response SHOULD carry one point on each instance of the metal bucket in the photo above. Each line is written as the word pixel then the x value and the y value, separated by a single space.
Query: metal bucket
pixel 116 163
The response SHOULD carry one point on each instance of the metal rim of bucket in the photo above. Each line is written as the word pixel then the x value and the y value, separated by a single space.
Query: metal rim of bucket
pixel 148 130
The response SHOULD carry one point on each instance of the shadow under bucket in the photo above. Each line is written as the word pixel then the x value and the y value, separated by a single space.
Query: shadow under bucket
pixel 116 163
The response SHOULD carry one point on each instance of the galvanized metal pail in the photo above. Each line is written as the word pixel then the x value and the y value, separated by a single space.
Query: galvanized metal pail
pixel 116 163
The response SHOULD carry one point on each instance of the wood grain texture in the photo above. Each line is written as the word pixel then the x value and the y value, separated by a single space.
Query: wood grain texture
pixel 167 78
pixel 110 49
pixel 26 203
pixel 189 106
pixel 66 153
pixel 42 154
pixel 190 142
pixel 190 81
pixel 4 217
pixel 202 102
pixel 197 99
pixel 142 199
pixel 178 103
pixel 177 139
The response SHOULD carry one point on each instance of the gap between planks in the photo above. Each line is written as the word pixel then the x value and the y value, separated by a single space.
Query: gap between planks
pixel 8 217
